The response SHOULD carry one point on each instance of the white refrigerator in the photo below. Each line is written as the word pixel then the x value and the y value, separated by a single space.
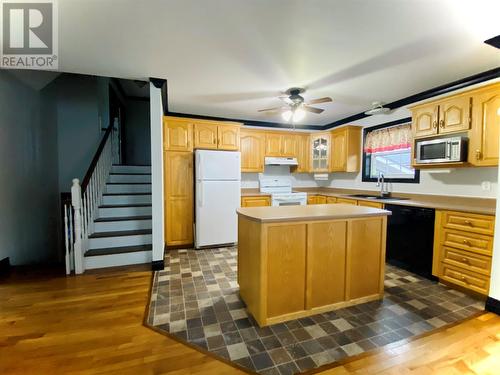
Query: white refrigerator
pixel 218 194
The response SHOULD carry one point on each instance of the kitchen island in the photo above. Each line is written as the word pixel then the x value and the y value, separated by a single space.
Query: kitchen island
pixel 296 261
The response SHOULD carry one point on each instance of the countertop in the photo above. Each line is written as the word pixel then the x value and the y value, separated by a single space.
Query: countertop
pixel 484 206
pixel 271 214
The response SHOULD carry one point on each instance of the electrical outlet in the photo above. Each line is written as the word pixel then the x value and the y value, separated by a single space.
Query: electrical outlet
pixel 486 185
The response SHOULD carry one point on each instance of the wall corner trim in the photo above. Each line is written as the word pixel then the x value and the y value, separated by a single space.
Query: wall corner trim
pixel 493 305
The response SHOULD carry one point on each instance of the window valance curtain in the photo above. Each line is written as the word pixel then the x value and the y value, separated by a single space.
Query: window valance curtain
pixel 388 139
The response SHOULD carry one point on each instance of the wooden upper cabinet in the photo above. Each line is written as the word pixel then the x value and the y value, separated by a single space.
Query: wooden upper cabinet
pixel 177 134
pixel 252 145
pixel 320 152
pixel 205 136
pixel 273 144
pixel 288 145
pixel 228 137
pixel 425 120
pixel 484 140
pixel 302 146
pixel 178 176
pixel 455 114
pixel 281 145
pixel 346 149
pixel 339 150
pixel 214 136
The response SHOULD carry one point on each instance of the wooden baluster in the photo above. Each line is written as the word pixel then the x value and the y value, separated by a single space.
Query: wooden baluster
pixel 66 240
pixel 84 215
pixel 76 201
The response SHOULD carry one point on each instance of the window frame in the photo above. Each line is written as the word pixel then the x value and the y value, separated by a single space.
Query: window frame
pixel 365 173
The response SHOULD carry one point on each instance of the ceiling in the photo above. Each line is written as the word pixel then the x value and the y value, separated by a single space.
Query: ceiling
pixel 229 58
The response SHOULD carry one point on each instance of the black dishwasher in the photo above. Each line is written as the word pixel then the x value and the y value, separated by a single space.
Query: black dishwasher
pixel 410 239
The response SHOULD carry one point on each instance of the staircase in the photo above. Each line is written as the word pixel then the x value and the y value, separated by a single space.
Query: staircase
pixel 121 233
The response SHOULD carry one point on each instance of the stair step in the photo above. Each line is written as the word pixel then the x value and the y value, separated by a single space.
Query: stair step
pixel 119 194
pixel 131 169
pixel 130 174
pixel 122 218
pixel 125 178
pixel 118 250
pixel 125 205
pixel 120 233
pixel 128 183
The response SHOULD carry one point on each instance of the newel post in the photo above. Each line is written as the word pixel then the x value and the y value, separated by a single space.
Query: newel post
pixel 76 202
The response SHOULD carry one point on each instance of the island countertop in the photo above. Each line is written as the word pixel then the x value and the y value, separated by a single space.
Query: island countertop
pixel 271 214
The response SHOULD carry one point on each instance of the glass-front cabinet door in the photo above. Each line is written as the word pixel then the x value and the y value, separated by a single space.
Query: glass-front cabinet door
pixel 320 152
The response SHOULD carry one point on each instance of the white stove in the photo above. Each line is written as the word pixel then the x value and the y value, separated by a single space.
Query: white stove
pixel 281 192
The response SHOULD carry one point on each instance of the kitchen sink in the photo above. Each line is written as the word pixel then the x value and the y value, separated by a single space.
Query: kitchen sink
pixel 371 196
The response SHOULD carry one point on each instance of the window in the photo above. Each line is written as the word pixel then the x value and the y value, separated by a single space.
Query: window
pixel 387 151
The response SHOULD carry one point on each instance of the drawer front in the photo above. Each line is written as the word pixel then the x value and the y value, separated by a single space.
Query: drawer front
pixel 466 279
pixel 255 201
pixel 468 241
pixel 370 204
pixel 472 262
pixel 330 200
pixel 482 224
pixel 347 201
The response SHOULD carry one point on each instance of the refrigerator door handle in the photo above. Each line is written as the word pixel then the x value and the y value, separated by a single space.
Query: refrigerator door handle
pixel 199 174
pixel 200 195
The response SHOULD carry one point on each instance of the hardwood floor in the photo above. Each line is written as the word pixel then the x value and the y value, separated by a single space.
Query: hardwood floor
pixel 52 324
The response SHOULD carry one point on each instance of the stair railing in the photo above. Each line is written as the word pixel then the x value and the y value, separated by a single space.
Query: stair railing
pixel 78 217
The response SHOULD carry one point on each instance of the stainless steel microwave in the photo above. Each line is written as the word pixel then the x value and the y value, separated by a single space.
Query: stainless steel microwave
pixel 441 150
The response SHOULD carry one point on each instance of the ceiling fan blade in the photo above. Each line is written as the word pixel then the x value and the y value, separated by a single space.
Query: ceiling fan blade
pixel 270 109
pixel 312 109
pixel 320 100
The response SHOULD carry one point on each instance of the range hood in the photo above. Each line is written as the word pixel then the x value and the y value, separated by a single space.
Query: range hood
pixel 280 161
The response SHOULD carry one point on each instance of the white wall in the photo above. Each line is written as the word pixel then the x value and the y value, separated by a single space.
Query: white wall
pixel 156 111
pixel 28 176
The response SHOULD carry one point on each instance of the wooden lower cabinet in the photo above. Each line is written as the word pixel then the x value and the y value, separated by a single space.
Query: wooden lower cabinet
pixel 286 268
pixel 326 256
pixel 371 204
pixel 255 201
pixel 178 186
pixel 316 199
pixel 347 201
pixel 289 270
pixel 463 246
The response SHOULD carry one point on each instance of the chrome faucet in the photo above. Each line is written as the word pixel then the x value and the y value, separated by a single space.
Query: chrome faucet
pixel 380 183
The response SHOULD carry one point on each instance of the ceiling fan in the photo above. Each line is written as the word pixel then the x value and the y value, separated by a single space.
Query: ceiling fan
pixel 295 108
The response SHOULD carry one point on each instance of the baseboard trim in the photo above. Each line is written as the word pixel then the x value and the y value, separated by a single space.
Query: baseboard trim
pixel 4 266
pixel 493 305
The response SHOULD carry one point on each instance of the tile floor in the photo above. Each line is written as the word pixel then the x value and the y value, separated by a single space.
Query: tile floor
pixel 196 299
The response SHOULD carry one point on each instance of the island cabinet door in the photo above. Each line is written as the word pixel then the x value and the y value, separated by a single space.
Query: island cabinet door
pixel 326 256
pixel 286 269
pixel 365 257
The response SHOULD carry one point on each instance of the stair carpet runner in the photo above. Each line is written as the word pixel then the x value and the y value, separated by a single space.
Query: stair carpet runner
pixel 122 232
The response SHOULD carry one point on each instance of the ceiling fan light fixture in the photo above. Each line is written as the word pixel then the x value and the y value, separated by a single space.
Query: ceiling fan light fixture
pixel 287 115
pixel 298 115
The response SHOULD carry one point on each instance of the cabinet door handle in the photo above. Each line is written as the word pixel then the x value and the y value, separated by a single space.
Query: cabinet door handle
pixel 468 222
pixel 466 242
pixel 478 155
pixel 465 260
pixel 434 124
pixel 441 124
